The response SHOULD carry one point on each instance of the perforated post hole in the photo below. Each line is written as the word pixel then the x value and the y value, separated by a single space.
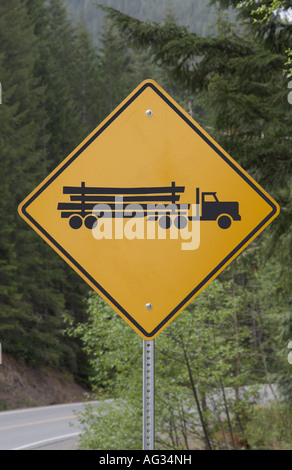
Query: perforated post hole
pixel 148 395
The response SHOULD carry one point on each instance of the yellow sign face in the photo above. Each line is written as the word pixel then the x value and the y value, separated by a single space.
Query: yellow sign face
pixel 148 209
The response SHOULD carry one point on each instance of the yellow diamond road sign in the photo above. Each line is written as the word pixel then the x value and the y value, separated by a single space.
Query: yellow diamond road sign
pixel 148 209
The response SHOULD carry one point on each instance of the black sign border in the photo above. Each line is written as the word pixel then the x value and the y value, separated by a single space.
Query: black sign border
pixel 79 268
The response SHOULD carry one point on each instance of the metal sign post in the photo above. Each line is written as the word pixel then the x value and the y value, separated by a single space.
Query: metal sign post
pixel 148 395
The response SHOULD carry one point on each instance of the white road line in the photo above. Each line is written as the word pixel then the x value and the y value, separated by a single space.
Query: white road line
pixel 42 408
pixel 47 441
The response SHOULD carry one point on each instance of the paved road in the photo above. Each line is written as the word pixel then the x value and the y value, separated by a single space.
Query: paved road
pixel 40 428
pixel 56 427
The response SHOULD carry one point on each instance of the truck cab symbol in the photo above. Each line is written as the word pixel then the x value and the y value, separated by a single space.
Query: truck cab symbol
pixel 224 212
pixel 84 199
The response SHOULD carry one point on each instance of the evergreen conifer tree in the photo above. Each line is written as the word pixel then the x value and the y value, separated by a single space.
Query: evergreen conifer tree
pixel 240 75
pixel 18 136
pixel 40 124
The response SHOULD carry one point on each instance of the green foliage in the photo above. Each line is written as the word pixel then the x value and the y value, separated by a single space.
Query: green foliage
pixel 263 12
pixel 40 125
pixel 57 87
pixel 244 65
pixel 271 20
pixel 239 80
pixel 203 359
pixel 270 428
pixel 18 136
pixel 111 426
pixel 198 15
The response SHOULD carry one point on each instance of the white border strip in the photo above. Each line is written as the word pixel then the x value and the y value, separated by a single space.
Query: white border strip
pixel 47 441
pixel 48 407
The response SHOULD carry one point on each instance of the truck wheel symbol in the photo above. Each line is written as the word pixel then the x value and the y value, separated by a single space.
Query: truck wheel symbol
pixel 165 221
pixel 209 207
pixel 180 222
pixel 75 222
pixel 90 221
pixel 224 221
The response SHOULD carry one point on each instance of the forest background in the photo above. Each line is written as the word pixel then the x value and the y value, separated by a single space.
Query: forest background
pixel 62 71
